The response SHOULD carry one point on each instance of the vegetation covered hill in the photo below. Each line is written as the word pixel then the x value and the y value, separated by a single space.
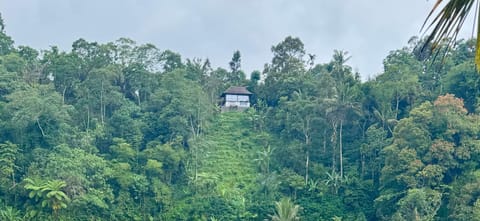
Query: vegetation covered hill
pixel 228 156
pixel 125 131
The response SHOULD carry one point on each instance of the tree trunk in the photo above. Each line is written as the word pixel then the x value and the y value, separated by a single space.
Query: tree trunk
pixel 306 133
pixel 13 179
pixel 63 94
pixel 334 146
pixel 324 141
pixel 341 149
pixel 40 127
pixel 102 108
pixel 397 104
pixel 88 118
pixel 306 167
pixel 362 163
pixel 196 162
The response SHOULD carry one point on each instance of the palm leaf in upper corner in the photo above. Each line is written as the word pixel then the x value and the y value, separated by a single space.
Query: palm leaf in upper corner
pixel 447 22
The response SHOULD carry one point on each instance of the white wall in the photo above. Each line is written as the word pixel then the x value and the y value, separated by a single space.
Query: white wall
pixel 237 100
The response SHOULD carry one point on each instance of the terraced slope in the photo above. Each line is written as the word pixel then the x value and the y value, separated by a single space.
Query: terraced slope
pixel 228 156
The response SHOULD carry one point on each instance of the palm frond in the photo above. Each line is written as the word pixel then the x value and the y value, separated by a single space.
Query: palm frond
pixel 449 20
pixel 447 23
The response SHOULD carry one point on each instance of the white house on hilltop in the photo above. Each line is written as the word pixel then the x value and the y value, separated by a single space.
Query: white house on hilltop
pixel 236 98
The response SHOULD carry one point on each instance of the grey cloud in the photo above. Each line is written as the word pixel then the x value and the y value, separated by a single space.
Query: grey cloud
pixel 368 29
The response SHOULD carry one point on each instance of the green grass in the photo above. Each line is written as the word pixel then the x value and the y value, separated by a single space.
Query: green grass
pixel 228 155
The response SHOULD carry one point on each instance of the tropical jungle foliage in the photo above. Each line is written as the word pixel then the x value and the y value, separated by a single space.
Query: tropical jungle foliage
pixel 126 131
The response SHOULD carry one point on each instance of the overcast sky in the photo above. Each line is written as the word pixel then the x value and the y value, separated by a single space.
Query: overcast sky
pixel 367 29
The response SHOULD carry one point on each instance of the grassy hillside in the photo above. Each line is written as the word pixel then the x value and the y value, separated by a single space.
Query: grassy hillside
pixel 228 157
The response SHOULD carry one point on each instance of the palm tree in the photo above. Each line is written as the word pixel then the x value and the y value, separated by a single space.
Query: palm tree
pixel 336 218
pixel 263 159
pixel 54 196
pixel 35 187
pixel 50 193
pixel 446 24
pixel 334 180
pixel 342 102
pixel 10 214
pixel 303 109
pixel 286 211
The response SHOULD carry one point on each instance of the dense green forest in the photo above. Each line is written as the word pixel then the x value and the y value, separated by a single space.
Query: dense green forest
pixel 126 131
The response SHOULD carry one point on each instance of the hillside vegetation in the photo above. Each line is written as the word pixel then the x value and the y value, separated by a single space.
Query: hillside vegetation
pixel 126 131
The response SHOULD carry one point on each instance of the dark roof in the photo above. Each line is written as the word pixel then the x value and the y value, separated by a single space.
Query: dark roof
pixel 237 90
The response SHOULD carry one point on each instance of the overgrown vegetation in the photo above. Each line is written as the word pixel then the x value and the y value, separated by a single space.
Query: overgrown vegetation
pixel 122 131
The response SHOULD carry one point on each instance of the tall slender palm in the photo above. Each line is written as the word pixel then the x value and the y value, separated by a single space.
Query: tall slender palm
pixel 446 24
pixel 342 103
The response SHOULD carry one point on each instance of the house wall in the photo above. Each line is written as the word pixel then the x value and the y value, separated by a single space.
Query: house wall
pixel 233 100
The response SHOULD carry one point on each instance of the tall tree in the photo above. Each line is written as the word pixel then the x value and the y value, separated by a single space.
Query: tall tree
pixel 342 102
pixel 37 116
pixel 284 74
pixel 235 64
pixel 236 76
pixel 8 155
pixel 419 205
pixel 6 42
pixel 302 117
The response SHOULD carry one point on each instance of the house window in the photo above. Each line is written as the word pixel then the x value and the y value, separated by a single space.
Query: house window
pixel 244 103
pixel 231 97
pixel 242 98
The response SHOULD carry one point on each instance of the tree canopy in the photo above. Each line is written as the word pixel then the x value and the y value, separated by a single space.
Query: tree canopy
pixel 127 131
